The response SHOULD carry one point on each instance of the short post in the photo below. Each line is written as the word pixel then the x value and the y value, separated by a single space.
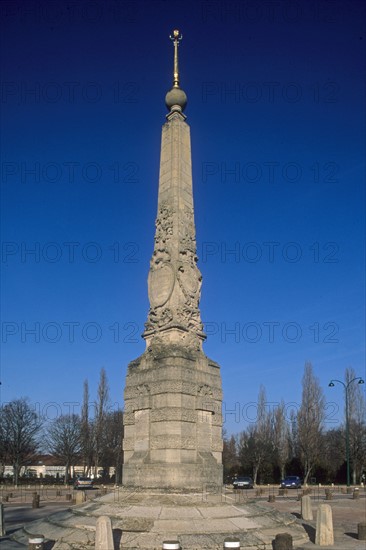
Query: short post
pixel 283 541
pixel 324 535
pixel 103 534
pixel 231 542
pixel 171 545
pixel 35 501
pixel 306 509
pixel 35 542
pixel 80 497
pixel 2 524
pixel 328 494
pixel 68 496
pixel 271 498
pixel 349 490
pixel 361 531
pixel 356 493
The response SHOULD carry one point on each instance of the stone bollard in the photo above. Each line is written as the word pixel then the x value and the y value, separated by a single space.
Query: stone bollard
pixel 35 542
pixel 35 501
pixel 231 542
pixel 349 490
pixel 2 523
pixel 281 492
pixel 343 490
pixel 103 534
pixel 306 509
pixel 68 496
pixel 283 541
pixel 171 545
pixel 58 493
pixel 361 531
pixel 80 497
pixel 271 498
pixel 5 498
pixel 324 526
pixel 328 494
pixel 356 493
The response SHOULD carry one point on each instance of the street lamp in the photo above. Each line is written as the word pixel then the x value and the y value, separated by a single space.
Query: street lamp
pixel 346 387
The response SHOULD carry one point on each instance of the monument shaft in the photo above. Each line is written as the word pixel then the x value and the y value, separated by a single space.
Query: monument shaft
pixel 173 396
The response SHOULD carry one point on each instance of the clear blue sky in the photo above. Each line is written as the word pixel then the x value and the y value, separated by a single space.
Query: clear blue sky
pixel 276 109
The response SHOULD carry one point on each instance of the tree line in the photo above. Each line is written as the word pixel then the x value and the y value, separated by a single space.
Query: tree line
pixel 270 447
pixel 92 438
pixel 274 445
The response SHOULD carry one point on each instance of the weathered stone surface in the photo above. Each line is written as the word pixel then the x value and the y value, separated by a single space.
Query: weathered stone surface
pixel 103 534
pixel 324 526
pixel 361 531
pixel 80 497
pixel 306 508
pixel 283 541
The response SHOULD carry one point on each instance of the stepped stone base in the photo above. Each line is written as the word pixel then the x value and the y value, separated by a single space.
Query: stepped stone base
pixel 144 520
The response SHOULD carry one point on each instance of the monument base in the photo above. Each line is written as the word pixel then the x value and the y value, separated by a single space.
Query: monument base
pixel 145 519
pixel 172 420
pixel 191 477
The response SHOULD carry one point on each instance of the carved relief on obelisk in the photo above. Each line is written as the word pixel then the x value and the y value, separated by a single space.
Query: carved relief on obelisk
pixel 174 281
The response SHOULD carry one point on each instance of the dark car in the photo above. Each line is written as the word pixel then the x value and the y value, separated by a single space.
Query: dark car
pixel 83 483
pixel 291 482
pixel 243 483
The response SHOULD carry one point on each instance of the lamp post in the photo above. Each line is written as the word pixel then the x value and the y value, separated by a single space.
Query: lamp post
pixel 346 387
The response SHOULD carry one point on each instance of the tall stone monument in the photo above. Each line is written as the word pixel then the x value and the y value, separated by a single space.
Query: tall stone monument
pixel 173 395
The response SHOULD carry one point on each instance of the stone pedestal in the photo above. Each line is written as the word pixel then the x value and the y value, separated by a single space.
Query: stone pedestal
pixel 172 420
pixel 324 526
pixel 306 509
pixel 103 534
pixel 361 531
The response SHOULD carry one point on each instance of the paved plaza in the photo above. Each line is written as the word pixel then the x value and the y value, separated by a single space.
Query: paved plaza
pixel 198 521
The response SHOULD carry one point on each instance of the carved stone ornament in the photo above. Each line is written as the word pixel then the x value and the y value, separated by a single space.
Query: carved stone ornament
pixel 189 279
pixel 160 284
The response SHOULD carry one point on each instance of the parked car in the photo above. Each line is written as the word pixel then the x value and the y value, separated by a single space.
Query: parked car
pixel 291 482
pixel 83 483
pixel 243 483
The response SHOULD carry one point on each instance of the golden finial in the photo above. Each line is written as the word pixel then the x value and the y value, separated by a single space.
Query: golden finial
pixel 176 38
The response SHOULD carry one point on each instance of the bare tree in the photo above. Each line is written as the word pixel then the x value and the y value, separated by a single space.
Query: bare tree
pixel 63 440
pixel 255 445
pixel 101 409
pixel 86 432
pixel 230 458
pixel 281 437
pixel 20 428
pixel 112 449
pixel 333 451
pixel 357 425
pixel 310 420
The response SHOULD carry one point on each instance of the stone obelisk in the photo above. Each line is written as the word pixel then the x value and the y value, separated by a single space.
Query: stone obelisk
pixel 173 395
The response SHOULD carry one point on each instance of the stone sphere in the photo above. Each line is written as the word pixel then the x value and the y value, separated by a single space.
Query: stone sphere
pixel 176 96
